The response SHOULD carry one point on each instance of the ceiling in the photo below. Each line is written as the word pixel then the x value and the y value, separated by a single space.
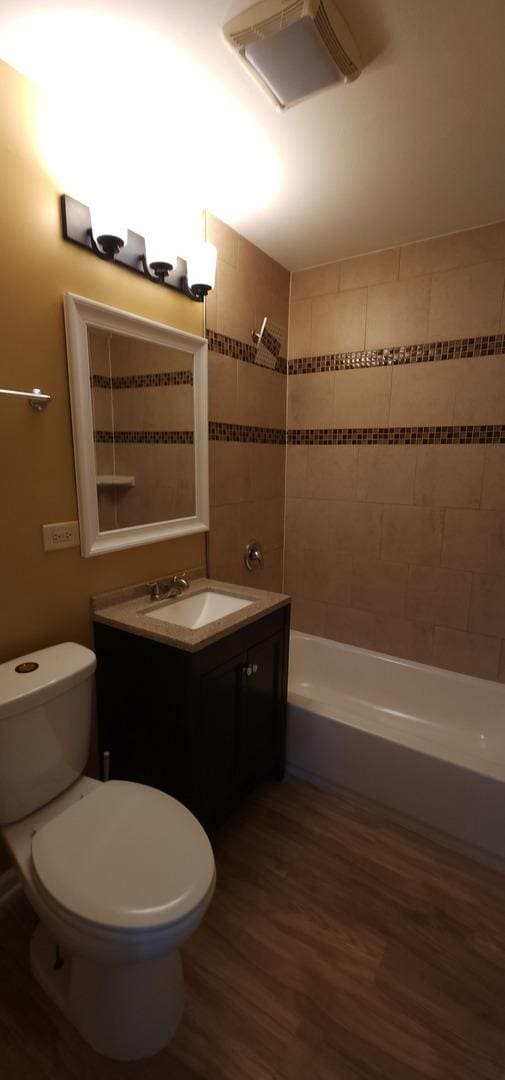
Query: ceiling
pixel 414 148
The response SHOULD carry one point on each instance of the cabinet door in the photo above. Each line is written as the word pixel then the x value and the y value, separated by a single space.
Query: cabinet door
pixel 257 733
pixel 215 741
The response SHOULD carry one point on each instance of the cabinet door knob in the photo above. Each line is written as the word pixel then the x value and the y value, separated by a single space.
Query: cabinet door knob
pixel 254 669
pixel 247 670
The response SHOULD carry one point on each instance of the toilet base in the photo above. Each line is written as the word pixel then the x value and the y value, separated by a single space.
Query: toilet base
pixel 125 1011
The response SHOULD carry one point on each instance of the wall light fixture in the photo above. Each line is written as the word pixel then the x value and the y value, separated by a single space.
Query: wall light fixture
pixel 113 241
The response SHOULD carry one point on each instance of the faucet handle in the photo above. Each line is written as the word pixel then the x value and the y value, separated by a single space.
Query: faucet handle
pixel 181 579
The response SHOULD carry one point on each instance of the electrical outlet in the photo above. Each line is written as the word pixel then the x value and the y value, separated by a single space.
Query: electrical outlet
pixel 62 534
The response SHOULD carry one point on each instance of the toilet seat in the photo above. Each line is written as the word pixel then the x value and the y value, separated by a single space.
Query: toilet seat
pixel 125 857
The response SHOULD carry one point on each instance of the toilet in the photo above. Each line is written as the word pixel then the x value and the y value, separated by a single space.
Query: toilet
pixel 120 874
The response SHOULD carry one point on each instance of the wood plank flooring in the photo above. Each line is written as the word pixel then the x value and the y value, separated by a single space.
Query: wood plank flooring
pixel 339 946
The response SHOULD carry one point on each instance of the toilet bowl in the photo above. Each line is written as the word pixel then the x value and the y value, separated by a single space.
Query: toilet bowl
pixel 119 874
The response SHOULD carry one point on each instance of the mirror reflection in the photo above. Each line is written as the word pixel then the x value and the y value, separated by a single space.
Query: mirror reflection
pixel 144 423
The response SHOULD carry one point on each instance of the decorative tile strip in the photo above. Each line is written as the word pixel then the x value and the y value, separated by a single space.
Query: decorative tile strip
pixel 244 433
pixel 398 436
pixel 135 382
pixel 146 437
pixel 239 350
pixel 456 349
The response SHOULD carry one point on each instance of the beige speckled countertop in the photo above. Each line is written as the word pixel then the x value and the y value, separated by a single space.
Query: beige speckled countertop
pixel 126 610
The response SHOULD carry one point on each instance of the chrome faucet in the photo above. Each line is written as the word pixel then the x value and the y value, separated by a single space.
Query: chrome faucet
pixel 169 587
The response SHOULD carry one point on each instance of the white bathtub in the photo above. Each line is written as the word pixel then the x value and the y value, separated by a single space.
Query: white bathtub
pixel 427 742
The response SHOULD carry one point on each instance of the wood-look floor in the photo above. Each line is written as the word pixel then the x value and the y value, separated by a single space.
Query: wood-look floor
pixel 339 946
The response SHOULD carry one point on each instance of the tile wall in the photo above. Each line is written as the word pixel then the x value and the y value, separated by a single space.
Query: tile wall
pixel 395 486
pixel 247 412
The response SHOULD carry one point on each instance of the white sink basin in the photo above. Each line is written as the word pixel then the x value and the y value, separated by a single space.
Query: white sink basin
pixel 198 610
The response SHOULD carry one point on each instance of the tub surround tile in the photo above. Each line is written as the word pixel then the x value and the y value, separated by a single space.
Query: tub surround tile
pixel 338 322
pixel 361 398
pixel 351 626
pixel 300 328
pixel 261 397
pixel 405 638
pixel 308 616
pixel 379 587
pixel 412 534
pixel 329 472
pixel 398 312
pixel 325 578
pixel 438 596
pixel 377 268
pixel 493 487
pixel 400 355
pixel 235 303
pixel 467 301
pixel 480 391
pixel 423 395
pixel 224 239
pixel 315 281
pixel 443 435
pixel 454 250
pixel 296 472
pixel 487 608
pixel 310 401
pixel 354 527
pixel 386 474
pixel 228 472
pixel 475 540
pixel 452 476
pixel 220 431
pixel 470 654
pixel 223 404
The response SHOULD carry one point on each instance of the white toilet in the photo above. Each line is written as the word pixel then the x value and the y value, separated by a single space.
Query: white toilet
pixel 119 873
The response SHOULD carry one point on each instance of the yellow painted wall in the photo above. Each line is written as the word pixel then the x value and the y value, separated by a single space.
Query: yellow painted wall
pixel 45 598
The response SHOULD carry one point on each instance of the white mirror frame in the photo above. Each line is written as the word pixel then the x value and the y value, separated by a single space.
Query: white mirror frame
pixel 81 313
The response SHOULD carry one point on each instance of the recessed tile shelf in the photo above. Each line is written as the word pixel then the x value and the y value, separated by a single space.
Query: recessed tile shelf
pixel 115 480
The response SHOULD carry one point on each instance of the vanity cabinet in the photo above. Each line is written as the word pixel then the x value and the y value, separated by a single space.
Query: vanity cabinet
pixel 204 726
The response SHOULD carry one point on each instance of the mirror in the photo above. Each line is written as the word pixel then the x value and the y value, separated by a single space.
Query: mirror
pixel 139 417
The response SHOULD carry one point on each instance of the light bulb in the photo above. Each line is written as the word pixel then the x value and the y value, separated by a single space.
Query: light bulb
pixel 202 269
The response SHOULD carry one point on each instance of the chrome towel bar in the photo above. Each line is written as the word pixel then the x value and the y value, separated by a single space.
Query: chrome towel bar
pixel 34 397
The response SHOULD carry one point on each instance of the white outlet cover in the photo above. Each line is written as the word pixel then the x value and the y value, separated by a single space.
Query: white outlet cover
pixel 60 534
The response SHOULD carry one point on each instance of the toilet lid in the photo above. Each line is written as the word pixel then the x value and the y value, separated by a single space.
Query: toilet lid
pixel 125 856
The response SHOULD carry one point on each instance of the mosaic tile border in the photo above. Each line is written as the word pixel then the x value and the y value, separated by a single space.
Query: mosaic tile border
pixel 239 350
pixel 456 349
pixel 398 436
pixel 145 437
pixel 136 382
pixel 244 433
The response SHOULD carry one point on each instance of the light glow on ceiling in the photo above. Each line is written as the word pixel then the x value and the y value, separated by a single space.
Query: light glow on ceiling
pixel 129 120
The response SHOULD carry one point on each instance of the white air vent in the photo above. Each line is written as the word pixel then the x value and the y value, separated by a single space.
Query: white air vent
pixel 295 47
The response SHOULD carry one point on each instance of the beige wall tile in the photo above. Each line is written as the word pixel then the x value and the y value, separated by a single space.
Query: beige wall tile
pixel 254 262
pixel 405 638
pixel 397 313
pixel 307 523
pixel 300 328
pixel 501 670
pixel 276 308
pixel 480 390
pixel 470 654
pixel 450 475
pixel 338 322
pixel 296 472
pixel 235 303
pixel 493 488
pixel 423 394
pixel 325 578
pixel 293 567
pixel 487 608
pixel 330 471
pixel 467 302
pixel 316 281
pixel 229 480
pixel 350 626
pixel 362 397
pixel 224 544
pixel 475 540
pixel 154 408
pixel 270 574
pixel 223 388
pixel 106 509
pixel 412 534
pixel 374 269
pixel 262 520
pixel 308 616
pixel 265 471
pixel 379 587
pixel 456 249
pixel 386 474
pixel 438 596
pixel 310 400
pixel 261 396
pixel 354 528
pixel 224 238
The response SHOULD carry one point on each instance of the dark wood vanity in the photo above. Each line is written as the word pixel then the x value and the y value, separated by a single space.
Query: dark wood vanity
pixel 203 725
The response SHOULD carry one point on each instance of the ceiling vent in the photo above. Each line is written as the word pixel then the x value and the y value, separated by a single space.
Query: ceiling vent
pixel 294 47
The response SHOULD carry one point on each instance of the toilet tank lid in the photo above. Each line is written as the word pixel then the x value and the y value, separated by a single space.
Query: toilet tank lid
pixel 54 670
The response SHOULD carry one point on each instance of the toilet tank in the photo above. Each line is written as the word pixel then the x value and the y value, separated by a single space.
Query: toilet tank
pixel 45 722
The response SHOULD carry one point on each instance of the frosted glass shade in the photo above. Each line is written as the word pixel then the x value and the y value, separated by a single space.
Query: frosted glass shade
pixel 202 267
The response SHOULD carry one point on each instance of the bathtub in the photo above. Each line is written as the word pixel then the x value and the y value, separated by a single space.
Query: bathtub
pixel 428 743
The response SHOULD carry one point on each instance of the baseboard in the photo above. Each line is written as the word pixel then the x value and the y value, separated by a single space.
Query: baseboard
pixel 9 884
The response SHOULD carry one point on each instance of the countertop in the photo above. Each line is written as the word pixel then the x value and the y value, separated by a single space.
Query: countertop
pixel 125 609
